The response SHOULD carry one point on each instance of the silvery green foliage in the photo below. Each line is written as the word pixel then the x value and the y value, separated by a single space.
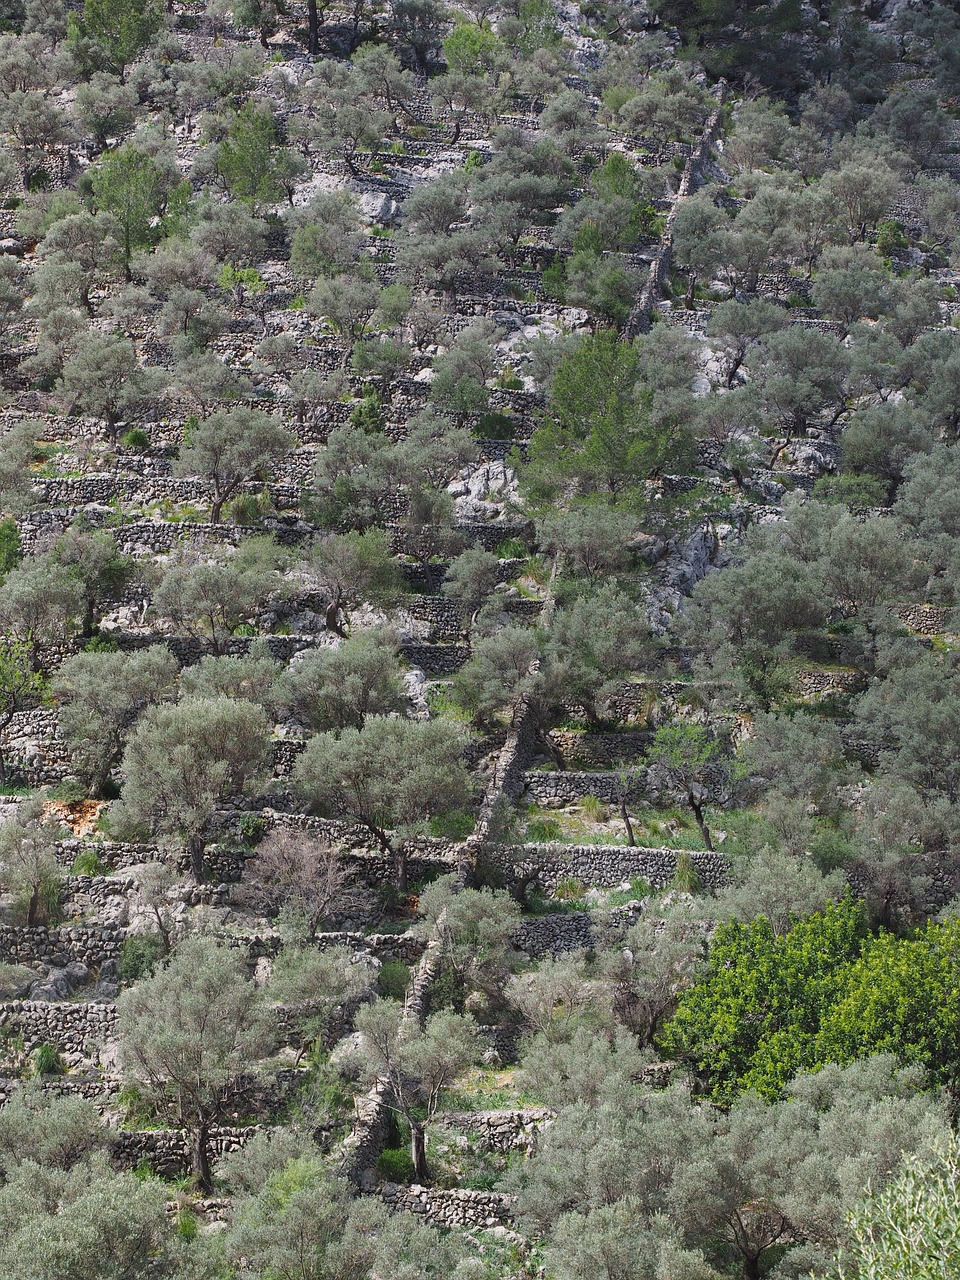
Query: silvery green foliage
pixel 909 1229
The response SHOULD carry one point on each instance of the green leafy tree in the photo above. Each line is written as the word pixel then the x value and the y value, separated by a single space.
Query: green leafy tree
pixel 299 1222
pixel 391 777
pixel 92 557
pixel 897 997
pixel 209 597
pixel 110 35
pixel 187 1033
pixel 229 449
pixel 350 569
pixel 41 604
pixel 470 582
pixel 93 1223
pixel 99 697
pixel 600 435
pixel 104 378
pixel 129 184
pixel 252 164
pixel 751 1019
pixel 475 927
pixel 181 761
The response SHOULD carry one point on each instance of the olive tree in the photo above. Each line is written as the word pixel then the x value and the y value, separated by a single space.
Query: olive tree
pixel 230 448
pixel 390 776
pixel 28 862
pixel 417 1063
pixel 209 597
pixel 336 688
pixel 187 1033
pixel 99 697
pixel 181 761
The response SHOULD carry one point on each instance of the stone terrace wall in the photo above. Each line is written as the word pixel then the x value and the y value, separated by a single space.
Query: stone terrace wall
pixel 79 1030
pixel 454 1209
pixel 167 1151
pixel 89 946
pixel 555 788
pixel 604 865
pixel 502 1131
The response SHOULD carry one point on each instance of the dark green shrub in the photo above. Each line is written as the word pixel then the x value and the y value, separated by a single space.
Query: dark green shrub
pixel 851 490
pixel 10 551
pixel 395 1165
pixel 135 438
pixel 495 426
pixel 543 830
pixel 453 826
pixel 140 953
pixel 46 1061
pixel 393 979
pixel 87 863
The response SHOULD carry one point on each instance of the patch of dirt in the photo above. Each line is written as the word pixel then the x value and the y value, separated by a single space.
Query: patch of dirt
pixel 80 816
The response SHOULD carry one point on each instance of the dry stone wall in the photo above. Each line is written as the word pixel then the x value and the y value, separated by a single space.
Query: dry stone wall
pixel 603 865
pixel 451 1209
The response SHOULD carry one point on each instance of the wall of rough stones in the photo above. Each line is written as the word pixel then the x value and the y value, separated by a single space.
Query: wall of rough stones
pixel 78 1029
pixel 599 750
pixel 555 788
pixel 501 1131
pixel 89 945
pixel 451 1209
pixel 167 1151
pixel 603 865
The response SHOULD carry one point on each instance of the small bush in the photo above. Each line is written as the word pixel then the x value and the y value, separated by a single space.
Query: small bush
pixel 855 491
pixel 594 809
pixel 69 791
pixel 543 830
pixel 484 1181
pixel 395 1165
pixel 100 644
pixel 135 438
pixel 686 879
pixel 87 863
pixel 252 828
pixel 393 979
pixel 495 426
pixel 140 953
pixel 245 508
pixel 453 826
pixel 10 551
pixel 368 414
pixel 46 1061
pixel 569 890
pixel 511 549
pixel 187 1225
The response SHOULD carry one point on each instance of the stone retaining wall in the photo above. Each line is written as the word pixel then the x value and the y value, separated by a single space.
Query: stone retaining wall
pixel 553 789
pixel 79 1030
pixel 603 865
pixel 451 1209
pixel 167 1151
pixel 60 946
pixel 502 1131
